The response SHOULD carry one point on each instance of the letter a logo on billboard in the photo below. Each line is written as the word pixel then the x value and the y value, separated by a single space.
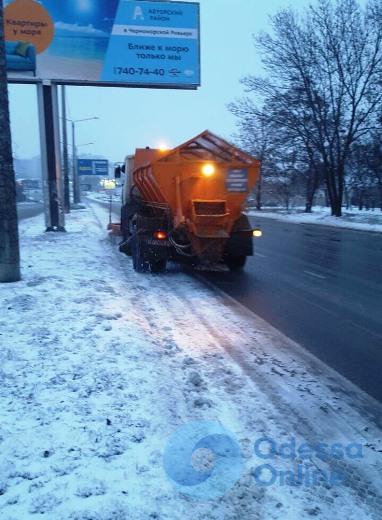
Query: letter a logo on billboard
pixel 138 13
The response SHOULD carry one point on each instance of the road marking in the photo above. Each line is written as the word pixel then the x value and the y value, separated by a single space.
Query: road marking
pixel 315 275
pixel 260 254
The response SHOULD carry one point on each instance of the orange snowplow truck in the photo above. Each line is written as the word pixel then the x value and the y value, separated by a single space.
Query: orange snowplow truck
pixel 186 205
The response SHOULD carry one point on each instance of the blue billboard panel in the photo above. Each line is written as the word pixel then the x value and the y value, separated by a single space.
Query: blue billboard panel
pixel 93 167
pixel 97 41
pixel 154 42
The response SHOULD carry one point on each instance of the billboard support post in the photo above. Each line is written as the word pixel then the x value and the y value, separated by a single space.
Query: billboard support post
pixel 43 154
pixel 49 137
pixel 65 158
pixel 57 157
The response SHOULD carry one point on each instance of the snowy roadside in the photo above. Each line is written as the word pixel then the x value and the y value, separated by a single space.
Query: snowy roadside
pixel 98 195
pixel 104 196
pixel 352 219
pixel 100 365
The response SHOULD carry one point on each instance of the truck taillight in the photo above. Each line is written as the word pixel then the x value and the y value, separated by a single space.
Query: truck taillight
pixel 160 235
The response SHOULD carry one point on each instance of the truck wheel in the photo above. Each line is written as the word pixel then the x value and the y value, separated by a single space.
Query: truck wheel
pixel 158 266
pixel 123 247
pixel 140 264
pixel 125 232
pixel 124 225
pixel 235 263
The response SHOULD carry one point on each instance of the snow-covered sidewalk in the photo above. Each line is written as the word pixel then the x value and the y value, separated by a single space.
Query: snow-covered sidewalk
pixel 99 366
pixel 365 220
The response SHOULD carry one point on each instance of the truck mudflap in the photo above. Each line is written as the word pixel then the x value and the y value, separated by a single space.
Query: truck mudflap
pixel 151 245
pixel 240 242
pixel 149 253
pixel 125 246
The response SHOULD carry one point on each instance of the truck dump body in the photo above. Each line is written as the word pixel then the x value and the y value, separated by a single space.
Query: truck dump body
pixel 201 186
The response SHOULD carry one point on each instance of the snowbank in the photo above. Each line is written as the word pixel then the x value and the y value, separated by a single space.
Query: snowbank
pixel 101 365
pixel 365 220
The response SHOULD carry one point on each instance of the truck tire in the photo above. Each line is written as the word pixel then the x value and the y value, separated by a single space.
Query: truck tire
pixel 124 245
pixel 125 233
pixel 124 225
pixel 235 263
pixel 140 264
pixel 158 266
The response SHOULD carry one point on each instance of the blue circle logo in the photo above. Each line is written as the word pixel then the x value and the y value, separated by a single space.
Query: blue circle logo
pixel 203 460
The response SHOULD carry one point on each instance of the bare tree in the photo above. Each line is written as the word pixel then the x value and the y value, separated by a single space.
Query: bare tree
pixel 374 158
pixel 324 78
pixel 359 179
pixel 9 240
pixel 365 170
pixel 287 176
pixel 263 132
pixel 256 135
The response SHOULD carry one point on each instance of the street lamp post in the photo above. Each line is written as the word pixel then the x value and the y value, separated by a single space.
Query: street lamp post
pixel 76 184
pixel 76 191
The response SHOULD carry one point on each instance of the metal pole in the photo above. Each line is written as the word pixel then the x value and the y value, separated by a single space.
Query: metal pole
pixel 49 132
pixel 43 154
pixel 65 151
pixel 73 162
pixel 57 154
pixel 76 187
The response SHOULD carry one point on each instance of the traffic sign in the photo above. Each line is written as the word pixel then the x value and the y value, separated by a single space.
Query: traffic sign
pixel 93 167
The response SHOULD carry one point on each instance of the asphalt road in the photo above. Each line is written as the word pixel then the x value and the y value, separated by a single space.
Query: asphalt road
pixel 29 209
pixel 322 287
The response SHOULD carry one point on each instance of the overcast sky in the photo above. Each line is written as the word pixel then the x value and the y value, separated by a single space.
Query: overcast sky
pixel 131 118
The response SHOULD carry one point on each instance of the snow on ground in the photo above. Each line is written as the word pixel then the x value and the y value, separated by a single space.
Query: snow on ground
pixel 100 365
pixel 98 195
pixel 104 196
pixel 365 220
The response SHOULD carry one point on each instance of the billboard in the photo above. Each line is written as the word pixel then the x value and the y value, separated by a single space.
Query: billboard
pixel 109 42
pixel 93 167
